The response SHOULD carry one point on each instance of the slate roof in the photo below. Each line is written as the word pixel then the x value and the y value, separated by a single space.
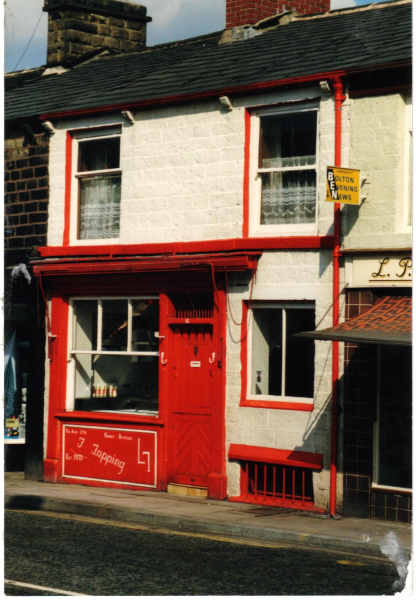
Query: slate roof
pixel 340 40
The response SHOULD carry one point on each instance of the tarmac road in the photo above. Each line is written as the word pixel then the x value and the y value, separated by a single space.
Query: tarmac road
pixel 68 555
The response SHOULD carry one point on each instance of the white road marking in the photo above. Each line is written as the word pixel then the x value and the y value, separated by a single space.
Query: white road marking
pixel 42 588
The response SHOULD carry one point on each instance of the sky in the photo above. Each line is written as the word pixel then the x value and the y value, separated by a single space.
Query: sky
pixel 25 31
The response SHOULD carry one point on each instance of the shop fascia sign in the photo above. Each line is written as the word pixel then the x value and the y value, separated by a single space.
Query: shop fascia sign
pixel 379 270
pixel 343 185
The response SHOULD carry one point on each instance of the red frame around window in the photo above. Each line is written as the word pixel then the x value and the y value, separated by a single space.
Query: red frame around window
pixel 244 401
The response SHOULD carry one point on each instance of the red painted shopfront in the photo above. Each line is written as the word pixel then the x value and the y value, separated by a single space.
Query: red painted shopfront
pixel 137 370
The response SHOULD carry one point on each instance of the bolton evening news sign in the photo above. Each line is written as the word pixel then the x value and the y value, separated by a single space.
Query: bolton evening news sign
pixel 343 185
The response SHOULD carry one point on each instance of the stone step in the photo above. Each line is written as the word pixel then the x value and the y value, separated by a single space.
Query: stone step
pixel 187 490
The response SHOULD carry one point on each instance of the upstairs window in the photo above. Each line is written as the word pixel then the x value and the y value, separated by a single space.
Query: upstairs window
pixel 99 188
pixel 285 172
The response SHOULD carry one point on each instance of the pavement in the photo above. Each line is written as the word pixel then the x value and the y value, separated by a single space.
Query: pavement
pixel 205 516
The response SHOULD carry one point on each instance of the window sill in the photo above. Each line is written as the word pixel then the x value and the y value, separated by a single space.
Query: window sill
pixel 391 490
pixel 278 404
pixel 95 242
pixel 266 231
pixel 109 417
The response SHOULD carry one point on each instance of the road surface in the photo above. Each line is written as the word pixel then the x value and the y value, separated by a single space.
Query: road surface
pixel 54 554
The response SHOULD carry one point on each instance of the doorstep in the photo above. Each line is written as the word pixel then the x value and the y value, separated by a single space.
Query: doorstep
pixel 187 490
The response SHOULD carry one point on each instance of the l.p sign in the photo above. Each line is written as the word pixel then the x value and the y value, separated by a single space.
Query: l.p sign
pixel 343 185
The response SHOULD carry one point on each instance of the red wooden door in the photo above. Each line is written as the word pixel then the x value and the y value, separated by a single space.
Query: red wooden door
pixel 194 397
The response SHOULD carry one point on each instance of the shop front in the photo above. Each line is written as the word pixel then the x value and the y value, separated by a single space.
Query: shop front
pixel 377 386
pixel 137 371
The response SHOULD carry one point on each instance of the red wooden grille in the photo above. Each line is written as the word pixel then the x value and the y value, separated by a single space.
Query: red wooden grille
pixel 277 485
pixel 193 306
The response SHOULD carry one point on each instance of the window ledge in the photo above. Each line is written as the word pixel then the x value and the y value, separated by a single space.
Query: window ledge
pixel 292 458
pixel 391 490
pixel 278 404
pixel 112 417
pixel 95 242
pixel 265 231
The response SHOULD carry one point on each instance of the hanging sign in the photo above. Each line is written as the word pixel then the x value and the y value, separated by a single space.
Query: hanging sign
pixel 117 455
pixel 343 185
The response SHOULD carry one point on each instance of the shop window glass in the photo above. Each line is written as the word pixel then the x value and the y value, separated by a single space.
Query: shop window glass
pixel 394 426
pixel 281 365
pixel 145 323
pixel 115 325
pixel 85 325
pixel 120 371
pixel 287 168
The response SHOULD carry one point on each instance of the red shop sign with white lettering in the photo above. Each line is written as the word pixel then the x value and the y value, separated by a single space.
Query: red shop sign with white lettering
pixel 109 454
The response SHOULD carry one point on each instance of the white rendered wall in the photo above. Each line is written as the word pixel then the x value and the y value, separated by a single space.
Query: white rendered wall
pixel 379 144
pixel 183 169
pixel 285 276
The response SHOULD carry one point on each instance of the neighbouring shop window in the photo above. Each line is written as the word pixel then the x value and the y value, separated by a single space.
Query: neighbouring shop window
pixel 393 429
pixel 115 352
pixel 281 366
pixel 99 188
pixel 286 173
pixel 408 162
pixel 410 180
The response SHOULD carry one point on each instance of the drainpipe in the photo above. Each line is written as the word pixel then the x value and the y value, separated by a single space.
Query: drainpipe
pixel 336 255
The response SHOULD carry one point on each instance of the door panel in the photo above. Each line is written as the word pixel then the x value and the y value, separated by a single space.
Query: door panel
pixel 192 445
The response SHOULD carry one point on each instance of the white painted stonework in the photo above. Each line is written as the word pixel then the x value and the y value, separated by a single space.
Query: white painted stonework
pixel 380 141
pixel 183 171
pixel 284 276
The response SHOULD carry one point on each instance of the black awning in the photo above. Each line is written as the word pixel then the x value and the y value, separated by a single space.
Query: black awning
pixel 388 321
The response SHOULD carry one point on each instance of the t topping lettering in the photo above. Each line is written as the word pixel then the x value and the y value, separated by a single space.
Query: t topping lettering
pixel 107 458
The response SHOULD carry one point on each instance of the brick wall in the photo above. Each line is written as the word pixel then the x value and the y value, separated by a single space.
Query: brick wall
pixel 26 214
pixel 248 12
pixel 74 30
pixel 26 192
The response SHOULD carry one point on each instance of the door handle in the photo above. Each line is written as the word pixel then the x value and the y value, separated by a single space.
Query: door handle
pixel 162 356
pixel 211 360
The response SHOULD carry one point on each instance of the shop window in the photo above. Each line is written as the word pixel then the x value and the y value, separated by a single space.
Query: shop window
pixel 393 428
pixel 281 367
pixel 284 172
pixel 409 163
pixel 114 351
pixel 99 187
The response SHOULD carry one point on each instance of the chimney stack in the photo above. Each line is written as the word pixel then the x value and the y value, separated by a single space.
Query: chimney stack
pixel 249 12
pixel 78 27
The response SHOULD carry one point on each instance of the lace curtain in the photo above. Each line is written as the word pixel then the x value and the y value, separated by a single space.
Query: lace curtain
pixel 100 207
pixel 288 197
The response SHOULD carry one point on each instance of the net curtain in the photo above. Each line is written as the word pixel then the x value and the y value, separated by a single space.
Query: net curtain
pixel 100 207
